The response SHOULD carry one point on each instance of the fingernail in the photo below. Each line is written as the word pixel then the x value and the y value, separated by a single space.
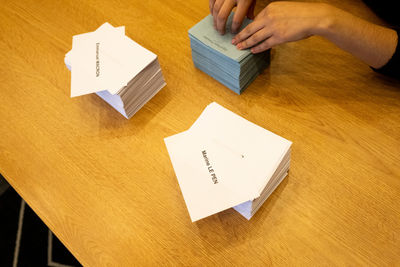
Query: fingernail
pixel 233 41
pixel 238 46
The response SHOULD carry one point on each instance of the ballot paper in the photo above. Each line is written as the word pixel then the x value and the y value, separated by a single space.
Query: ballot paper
pixel 215 55
pixel 110 64
pixel 225 161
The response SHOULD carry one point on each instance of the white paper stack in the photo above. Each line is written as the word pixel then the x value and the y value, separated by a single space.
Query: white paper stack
pixel 225 161
pixel 110 64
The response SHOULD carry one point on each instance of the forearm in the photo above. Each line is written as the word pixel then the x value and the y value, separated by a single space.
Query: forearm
pixel 371 43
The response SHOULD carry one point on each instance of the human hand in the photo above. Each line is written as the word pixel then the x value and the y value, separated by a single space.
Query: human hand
pixel 220 10
pixel 281 22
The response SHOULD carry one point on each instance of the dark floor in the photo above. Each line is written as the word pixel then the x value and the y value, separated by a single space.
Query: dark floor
pixel 24 238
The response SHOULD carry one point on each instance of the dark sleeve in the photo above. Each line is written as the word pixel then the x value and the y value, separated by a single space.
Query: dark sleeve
pixel 386 10
pixel 392 68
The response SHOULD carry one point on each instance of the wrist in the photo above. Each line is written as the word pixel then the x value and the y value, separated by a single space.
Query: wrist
pixel 327 20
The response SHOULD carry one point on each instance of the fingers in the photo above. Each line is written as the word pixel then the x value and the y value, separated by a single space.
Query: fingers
pixel 223 15
pixel 211 5
pixel 254 39
pixel 250 12
pixel 217 6
pixel 240 14
pixel 250 29
pixel 267 44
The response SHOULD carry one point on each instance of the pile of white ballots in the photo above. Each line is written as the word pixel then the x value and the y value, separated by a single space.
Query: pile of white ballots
pixel 225 161
pixel 119 70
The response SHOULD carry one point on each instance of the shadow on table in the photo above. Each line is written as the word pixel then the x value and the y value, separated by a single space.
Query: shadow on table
pixel 112 124
pixel 228 228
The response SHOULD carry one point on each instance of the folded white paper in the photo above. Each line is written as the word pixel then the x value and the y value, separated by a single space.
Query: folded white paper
pixel 262 149
pixel 116 68
pixel 225 161
pixel 105 60
pixel 118 30
pixel 211 177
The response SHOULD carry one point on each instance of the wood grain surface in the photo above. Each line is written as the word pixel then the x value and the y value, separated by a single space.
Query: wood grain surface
pixel 106 187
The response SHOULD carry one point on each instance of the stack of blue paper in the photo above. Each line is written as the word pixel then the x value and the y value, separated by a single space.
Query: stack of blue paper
pixel 215 54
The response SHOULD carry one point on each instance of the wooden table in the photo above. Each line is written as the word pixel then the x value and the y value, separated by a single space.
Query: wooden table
pixel 106 187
